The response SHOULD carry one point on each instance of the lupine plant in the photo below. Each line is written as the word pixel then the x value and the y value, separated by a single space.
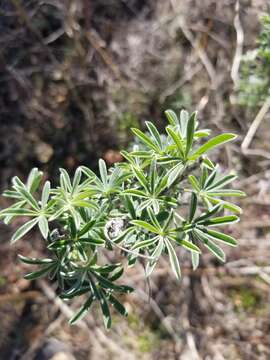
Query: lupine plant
pixel 166 195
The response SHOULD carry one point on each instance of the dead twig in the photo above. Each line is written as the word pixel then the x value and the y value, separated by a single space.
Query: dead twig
pixel 254 126
pixel 239 45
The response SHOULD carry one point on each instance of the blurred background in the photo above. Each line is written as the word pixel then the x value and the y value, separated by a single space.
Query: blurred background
pixel 75 76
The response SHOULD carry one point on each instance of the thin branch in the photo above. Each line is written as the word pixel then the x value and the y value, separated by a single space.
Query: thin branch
pixel 255 125
pixel 239 45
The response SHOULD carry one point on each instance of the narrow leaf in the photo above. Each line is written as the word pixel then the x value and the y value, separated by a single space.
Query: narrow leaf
pixel 24 229
pixel 173 259
pixel 190 132
pixel 211 144
pixel 82 311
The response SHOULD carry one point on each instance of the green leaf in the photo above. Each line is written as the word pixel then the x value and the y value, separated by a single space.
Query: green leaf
pixel 189 245
pixel 193 206
pixel 82 311
pixel 105 311
pixel 141 178
pixel 218 236
pixel 195 259
pixel 226 192
pixel 174 172
pixel 135 192
pixel 190 132
pixel 92 241
pixel 216 250
pixel 209 181
pixel 209 213
pixel 145 243
pixel 43 226
pixel 222 182
pixel 172 117
pixel 40 273
pixel 117 305
pixel 211 246
pixel 29 198
pixel 89 173
pixel 17 212
pixel 154 132
pixel 76 179
pixel 173 259
pixel 194 182
pixel 184 116
pixel 145 226
pixel 34 261
pixel 85 204
pixel 221 220
pixel 177 140
pixel 45 194
pixel 226 205
pixel 86 228
pixel 208 163
pixel 103 171
pixel 211 144
pixel 23 230
pixel 130 206
pixel 34 179
pixel 155 255
pixel 65 180
pixel 145 139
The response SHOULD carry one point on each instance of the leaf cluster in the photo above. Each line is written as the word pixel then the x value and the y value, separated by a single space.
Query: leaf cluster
pixel 168 195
